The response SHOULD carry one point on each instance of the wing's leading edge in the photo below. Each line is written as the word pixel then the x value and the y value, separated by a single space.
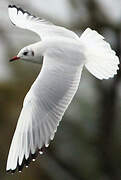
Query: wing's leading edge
pixel 43 28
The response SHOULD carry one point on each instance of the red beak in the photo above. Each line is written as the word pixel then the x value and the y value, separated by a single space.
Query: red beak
pixel 14 58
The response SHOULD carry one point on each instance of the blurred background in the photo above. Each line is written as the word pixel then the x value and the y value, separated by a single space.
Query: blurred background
pixel 87 145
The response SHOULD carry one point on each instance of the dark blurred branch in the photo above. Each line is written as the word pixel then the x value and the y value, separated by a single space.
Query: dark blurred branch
pixel 97 20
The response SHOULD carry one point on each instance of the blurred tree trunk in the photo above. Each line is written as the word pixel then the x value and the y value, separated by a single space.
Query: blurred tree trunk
pixel 108 115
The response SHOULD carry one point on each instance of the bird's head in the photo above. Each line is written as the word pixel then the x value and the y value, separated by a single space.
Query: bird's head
pixel 25 54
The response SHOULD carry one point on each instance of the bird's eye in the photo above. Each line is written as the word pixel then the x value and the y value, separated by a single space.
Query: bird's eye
pixel 32 53
pixel 25 53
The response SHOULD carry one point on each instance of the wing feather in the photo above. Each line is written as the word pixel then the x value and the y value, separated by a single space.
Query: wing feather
pixel 43 108
pixel 43 28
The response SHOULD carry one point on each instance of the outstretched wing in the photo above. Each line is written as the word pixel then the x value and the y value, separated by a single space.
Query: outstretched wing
pixel 43 28
pixel 43 108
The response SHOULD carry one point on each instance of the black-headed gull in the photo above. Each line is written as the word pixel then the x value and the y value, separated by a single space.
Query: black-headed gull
pixel 65 54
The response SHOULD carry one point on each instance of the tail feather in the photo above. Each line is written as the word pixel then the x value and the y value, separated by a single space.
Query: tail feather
pixel 101 60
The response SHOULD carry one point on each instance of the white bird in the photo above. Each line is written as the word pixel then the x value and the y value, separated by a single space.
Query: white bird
pixel 65 54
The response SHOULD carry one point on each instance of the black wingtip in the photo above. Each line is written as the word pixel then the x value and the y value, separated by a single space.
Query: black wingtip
pixel 26 162
pixel 19 9
pixel 12 6
pixel 11 171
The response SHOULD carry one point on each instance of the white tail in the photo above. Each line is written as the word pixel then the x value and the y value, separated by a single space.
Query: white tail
pixel 101 60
